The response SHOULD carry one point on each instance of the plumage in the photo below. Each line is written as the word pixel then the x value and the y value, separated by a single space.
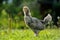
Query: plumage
pixel 48 20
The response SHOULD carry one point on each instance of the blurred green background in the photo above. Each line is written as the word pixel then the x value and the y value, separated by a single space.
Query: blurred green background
pixel 12 26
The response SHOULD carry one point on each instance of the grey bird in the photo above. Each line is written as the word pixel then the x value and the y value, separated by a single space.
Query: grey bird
pixel 35 24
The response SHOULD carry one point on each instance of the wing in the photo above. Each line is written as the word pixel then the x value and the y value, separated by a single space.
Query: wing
pixel 37 24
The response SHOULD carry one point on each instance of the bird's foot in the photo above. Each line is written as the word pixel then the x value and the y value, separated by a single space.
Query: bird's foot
pixel 35 34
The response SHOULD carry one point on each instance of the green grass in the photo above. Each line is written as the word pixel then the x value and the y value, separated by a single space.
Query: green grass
pixel 47 34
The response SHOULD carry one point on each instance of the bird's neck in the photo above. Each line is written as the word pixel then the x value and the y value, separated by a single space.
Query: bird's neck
pixel 27 14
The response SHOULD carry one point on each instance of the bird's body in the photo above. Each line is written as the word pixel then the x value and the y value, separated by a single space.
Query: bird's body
pixel 34 23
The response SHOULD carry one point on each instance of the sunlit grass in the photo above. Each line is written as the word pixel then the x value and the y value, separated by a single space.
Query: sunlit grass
pixel 47 34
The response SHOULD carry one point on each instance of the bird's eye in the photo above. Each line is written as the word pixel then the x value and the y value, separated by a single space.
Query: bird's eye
pixel 25 9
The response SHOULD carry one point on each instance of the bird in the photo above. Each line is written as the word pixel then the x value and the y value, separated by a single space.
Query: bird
pixel 34 23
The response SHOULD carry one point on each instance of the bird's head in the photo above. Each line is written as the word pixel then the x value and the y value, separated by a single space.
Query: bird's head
pixel 26 10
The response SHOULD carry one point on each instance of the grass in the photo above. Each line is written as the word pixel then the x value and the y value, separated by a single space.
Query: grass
pixel 47 34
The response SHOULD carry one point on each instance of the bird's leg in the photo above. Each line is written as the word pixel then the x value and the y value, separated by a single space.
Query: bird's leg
pixel 36 32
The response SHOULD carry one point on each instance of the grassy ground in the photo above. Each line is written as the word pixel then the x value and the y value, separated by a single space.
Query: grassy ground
pixel 47 34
